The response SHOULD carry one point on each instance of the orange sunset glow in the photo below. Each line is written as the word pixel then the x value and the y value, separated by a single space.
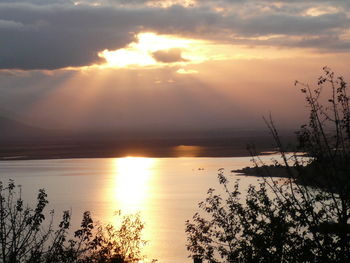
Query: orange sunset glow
pixel 127 112
pixel 188 64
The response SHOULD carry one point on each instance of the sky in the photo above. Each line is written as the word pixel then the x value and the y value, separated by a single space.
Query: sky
pixel 171 64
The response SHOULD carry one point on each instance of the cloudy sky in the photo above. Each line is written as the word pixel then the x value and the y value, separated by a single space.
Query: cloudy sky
pixel 204 64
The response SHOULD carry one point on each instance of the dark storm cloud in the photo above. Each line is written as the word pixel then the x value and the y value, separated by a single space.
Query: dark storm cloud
pixel 55 37
pixel 42 34
pixel 50 37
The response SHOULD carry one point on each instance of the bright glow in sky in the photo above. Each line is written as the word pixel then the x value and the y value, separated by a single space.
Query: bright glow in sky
pixel 140 53
pixel 168 3
pixel 193 64
pixel 318 11
pixel 152 49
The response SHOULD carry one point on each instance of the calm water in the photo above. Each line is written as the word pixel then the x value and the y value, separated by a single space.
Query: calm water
pixel 164 190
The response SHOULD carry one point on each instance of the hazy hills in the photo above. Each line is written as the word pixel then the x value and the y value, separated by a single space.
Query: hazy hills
pixel 12 129
pixel 23 141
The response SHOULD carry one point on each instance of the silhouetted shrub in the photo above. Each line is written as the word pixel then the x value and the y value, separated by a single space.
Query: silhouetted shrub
pixel 25 235
pixel 303 217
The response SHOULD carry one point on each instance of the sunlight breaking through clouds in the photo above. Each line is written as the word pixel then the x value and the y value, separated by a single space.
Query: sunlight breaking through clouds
pixel 151 50
pixel 324 10
pixel 35 32
pixel 169 3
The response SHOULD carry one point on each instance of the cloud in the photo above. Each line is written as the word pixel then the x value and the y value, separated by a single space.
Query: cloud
pixel 8 24
pixel 43 34
pixel 71 36
pixel 169 56
pixel 290 24
pixel 56 37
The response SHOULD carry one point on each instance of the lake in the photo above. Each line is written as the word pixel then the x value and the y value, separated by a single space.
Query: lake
pixel 165 191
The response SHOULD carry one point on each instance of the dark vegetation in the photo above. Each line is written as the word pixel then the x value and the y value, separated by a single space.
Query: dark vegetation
pixel 301 216
pixel 274 170
pixel 308 173
pixel 27 236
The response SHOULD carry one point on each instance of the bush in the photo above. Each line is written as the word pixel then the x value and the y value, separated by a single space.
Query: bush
pixel 301 218
pixel 25 235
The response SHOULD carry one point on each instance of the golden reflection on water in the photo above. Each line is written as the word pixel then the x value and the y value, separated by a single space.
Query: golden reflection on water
pixel 187 150
pixel 132 183
pixel 131 190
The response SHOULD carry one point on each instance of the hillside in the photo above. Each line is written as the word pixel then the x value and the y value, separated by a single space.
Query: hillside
pixel 11 129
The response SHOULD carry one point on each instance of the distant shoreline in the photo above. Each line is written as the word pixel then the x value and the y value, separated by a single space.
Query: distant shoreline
pixel 81 147
pixel 35 153
pixel 43 156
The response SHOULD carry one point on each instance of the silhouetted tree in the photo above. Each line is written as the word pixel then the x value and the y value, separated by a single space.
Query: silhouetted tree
pixel 301 218
pixel 25 235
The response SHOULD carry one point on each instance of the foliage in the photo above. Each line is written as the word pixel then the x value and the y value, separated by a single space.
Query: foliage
pixel 26 235
pixel 301 218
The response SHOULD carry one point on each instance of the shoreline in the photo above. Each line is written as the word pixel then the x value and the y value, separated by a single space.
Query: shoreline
pixel 156 152
pixel 156 148
pixel 86 156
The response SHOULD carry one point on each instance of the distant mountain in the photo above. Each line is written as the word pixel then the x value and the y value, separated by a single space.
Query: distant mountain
pixel 12 129
pixel 21 140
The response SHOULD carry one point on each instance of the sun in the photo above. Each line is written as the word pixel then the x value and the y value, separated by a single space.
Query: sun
pixel 141 52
